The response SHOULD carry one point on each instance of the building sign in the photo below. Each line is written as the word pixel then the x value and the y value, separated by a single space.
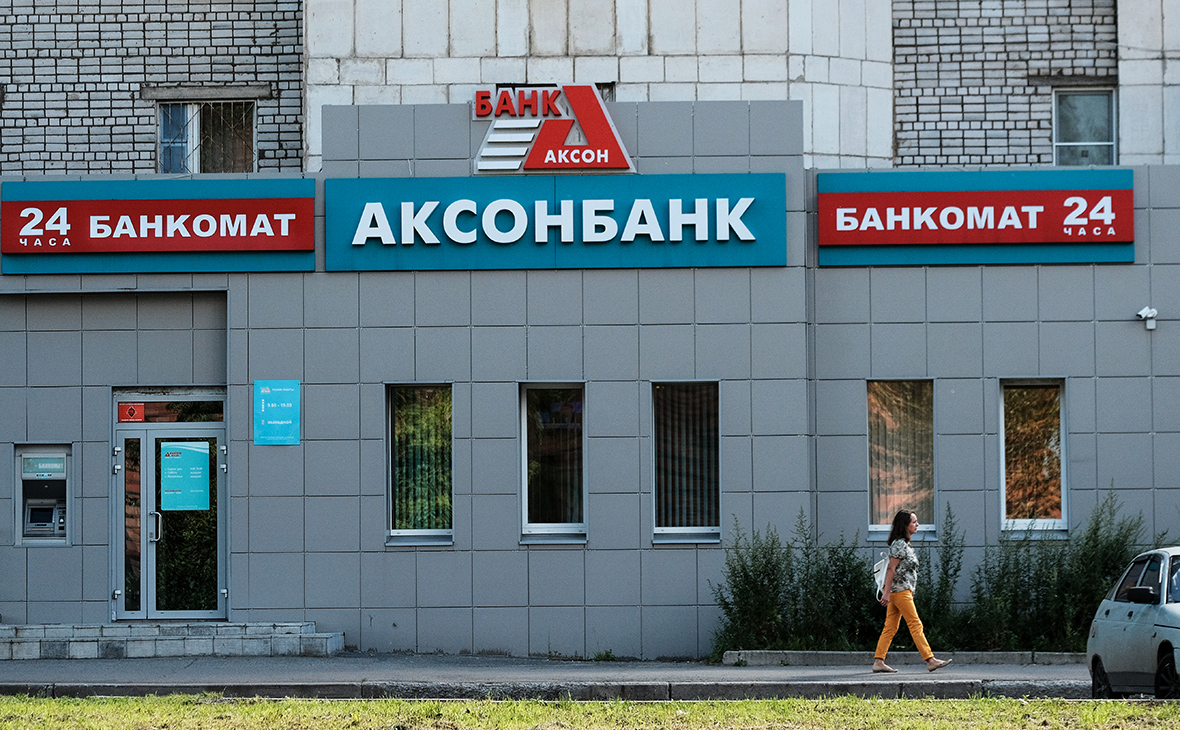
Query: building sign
pixel 276 412
pixel 157 225
pixel 547 129
pixel 184 475
pixel 583 222
pixel 1021 216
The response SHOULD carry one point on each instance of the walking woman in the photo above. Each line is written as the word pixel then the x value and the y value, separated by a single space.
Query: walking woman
pixel 901 577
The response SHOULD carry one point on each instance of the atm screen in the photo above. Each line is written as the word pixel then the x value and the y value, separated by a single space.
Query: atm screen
pixel 40 515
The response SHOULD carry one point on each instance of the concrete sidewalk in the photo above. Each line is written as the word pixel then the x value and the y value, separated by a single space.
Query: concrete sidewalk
pixel 355 675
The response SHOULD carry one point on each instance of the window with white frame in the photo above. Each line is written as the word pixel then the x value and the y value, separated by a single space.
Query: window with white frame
pixel 687 481
pixel 1034 479
pixel 210 136
pixel 901 449
pixel 552 428
pixel 1084 128
pixel 420 461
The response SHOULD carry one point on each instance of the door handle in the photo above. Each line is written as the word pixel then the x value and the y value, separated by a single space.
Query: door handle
pixel 158 532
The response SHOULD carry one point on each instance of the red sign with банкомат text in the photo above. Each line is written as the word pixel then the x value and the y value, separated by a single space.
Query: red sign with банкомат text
pixel 157 226
pixel 976 217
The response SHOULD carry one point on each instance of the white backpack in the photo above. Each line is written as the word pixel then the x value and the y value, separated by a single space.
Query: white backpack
pixel 879 569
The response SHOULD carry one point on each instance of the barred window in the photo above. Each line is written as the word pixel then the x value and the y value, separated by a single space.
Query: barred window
pixel 207 137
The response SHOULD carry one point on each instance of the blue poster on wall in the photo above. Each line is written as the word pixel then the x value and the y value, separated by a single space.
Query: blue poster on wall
pixel 184 475
pixel 276 412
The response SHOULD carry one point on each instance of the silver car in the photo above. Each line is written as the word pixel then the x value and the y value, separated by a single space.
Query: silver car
pixel 1134 640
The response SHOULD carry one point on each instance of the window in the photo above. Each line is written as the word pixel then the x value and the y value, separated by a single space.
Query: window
pixel 1033 478
pixel 901 449
pixel 207 137
pixel 686 461
pixel 420 463
pixel 1084 127
pixel 553 460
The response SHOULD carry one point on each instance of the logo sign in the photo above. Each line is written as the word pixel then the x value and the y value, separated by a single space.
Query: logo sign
pixel 547 129
pixel 1028 216
pixel 207 223
pixel 131 413
pixel 569 222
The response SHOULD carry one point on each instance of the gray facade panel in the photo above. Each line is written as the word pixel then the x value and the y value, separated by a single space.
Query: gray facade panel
pixel 898 351
pixel 897 295
pixel 498 298
pixel 499 577
pixel 500 631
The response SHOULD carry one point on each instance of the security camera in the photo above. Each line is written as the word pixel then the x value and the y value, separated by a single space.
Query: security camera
pixel 1146 313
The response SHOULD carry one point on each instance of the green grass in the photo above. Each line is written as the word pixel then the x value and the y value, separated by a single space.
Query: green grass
pixel 185 712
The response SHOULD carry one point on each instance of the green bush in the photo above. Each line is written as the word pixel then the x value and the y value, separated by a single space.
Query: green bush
pixel 796 596
pixel 1029 594
pixel 1041 594
pixel 757 574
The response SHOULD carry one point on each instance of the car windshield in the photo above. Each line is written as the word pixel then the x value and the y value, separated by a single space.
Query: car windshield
pixel 1174 581
pixel 1130 579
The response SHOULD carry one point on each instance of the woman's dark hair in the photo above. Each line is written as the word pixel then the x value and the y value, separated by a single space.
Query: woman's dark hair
pixel 901 521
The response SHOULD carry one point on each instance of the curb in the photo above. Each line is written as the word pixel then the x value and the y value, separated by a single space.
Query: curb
pixel 579 691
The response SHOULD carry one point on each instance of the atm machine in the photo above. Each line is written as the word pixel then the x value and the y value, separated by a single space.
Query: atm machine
pixel 44 481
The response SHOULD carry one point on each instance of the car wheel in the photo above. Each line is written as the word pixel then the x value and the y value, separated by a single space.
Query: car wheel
pixel 1100 688
pixel 1167 682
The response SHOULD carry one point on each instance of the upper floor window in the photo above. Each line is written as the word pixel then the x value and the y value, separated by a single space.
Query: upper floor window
pixel 1034 495
pixel 687 484
pixel 1084 129
pixel 901 449
pixel 553 494
pixel 215 136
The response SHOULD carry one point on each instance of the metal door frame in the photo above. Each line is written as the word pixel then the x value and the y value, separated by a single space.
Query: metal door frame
pixel 147 432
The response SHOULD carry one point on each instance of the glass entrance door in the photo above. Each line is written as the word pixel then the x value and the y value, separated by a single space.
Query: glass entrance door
pixel 170 551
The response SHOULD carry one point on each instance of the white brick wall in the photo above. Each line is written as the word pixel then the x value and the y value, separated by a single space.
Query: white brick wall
pixel 71 73
pixel 976 87
pixel 837 52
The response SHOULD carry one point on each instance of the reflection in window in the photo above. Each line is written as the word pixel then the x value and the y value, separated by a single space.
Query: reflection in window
pixel 686 447
pixel 1174 580
pixel 553 434
pixel 901 448
pixel 1032 452
pixel 1084 127
pixel 421 457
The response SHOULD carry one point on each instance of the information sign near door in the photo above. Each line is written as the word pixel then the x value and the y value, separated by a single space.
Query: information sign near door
pixel 276 412
pixel 184 475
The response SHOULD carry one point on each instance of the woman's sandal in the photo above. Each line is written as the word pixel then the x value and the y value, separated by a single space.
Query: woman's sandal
pixel 938 664
pixel 883 668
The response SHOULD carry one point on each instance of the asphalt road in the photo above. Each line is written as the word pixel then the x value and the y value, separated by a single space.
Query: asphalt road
pixel 358 675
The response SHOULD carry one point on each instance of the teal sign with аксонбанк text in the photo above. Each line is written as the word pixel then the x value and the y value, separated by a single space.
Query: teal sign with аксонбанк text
pixel 555 222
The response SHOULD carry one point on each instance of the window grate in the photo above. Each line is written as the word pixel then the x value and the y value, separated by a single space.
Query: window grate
pixel 207 137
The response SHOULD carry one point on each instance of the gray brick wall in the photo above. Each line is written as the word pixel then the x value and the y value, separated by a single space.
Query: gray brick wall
pixel 71 72
pixel 974 79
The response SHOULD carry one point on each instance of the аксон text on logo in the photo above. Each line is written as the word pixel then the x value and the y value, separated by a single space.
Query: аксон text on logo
pixel 546 130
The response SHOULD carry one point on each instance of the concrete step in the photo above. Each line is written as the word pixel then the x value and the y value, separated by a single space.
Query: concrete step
pixel 142 639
